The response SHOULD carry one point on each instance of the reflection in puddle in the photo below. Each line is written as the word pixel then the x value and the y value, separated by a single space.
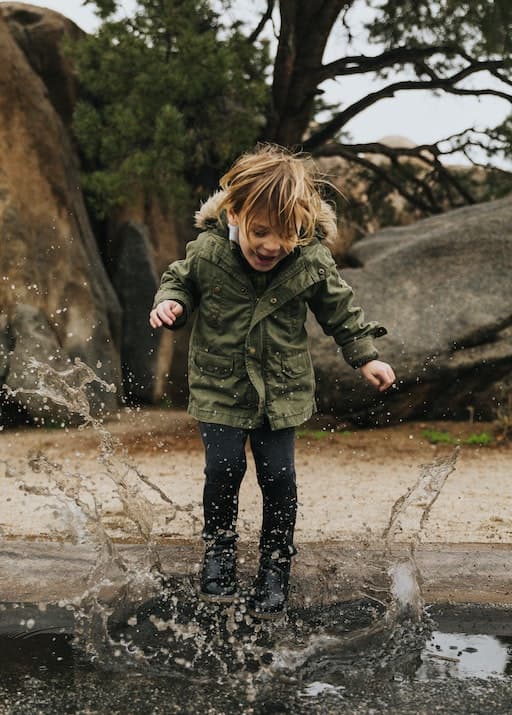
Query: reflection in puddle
pixel 320 647
pixel 459 655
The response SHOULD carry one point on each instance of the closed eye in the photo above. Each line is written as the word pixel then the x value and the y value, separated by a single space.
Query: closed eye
pixel 260 230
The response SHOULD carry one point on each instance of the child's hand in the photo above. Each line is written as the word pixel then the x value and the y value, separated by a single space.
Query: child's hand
pixel 165 312
pixel 379 374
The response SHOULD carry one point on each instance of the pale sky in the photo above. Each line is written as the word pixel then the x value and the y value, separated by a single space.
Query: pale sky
pixel 415 115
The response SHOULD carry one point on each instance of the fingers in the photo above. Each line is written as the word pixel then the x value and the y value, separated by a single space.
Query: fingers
pixel 388 379
pixel 373 379
pixel 166 313
pixel 379 374
pixel 385 377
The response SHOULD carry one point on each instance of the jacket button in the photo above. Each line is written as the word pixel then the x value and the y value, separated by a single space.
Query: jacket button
pixel 252 351
pixel 273 301
pixel 217 290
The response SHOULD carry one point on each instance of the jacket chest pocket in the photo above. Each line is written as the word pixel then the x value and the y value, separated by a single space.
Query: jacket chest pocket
pixel 220 298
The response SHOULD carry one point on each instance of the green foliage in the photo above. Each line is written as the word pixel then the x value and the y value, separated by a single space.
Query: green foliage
pixel 481 26
pixel 171 95
pixel 166 402
pixel 483 438
pixel 321 434
pixel 313 434
pixel 435 436
pixel 168 97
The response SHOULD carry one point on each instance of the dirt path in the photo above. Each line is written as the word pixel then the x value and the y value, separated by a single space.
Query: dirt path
pixel 348 481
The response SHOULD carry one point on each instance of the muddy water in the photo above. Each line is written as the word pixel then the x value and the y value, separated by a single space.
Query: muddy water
pixel 137 641
pixel 339 659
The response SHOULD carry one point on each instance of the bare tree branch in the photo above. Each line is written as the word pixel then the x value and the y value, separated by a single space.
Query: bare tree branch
pixel 428 154
pixel 413 198
pixel 419 151
pixel 360 64
pixel 503 78
pixel 329 130
pixel 264 19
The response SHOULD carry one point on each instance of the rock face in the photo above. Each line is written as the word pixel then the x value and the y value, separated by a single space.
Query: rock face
pixel 135 280
pixel 141 242
pixel 443 289
pixel 39 32
pixel 49 260
pixel 84 296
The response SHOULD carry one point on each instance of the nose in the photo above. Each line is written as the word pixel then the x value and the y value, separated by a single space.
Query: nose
pixel 272 245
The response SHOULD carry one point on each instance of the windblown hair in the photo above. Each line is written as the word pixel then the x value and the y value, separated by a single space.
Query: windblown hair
pixel 283 184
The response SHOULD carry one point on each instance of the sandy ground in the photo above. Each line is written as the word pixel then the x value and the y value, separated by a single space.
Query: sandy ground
pixel 348 481
pixel 60 488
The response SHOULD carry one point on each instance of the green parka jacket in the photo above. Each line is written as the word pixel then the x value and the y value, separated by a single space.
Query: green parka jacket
pixel 248 355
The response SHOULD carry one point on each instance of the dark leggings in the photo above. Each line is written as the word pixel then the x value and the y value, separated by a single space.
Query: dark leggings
pixel 274 453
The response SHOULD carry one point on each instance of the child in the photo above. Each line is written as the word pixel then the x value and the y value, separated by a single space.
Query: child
pixel 250 277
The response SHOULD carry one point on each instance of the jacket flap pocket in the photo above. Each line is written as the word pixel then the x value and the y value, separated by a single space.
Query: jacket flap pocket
pixel 215 365
pixel 295 365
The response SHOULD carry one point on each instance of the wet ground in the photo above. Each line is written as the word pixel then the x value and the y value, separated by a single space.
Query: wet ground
pixel 333 660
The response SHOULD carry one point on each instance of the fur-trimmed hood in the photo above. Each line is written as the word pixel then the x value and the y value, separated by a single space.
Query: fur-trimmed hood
pixel 208 217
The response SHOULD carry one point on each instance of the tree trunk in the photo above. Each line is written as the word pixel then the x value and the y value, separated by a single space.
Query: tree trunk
pixel 305 29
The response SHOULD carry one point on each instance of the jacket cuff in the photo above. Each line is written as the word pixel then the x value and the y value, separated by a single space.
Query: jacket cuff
pixel 179 296
pixel 359 352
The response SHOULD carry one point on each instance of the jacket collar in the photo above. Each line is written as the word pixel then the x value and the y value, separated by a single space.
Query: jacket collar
pixel 292 279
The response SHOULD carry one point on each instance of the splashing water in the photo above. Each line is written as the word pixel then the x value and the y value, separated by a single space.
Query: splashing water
pixel 172 630
pixel 112 580
pixel 409 516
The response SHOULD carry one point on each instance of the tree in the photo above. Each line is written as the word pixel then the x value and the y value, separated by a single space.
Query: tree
pixel 167 97
pixel 428 45
pixel 140 67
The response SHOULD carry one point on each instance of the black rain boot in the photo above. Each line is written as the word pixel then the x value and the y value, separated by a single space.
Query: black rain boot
pixel 218 576
pixel 270 591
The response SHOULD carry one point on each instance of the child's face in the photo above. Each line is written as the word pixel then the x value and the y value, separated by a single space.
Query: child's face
pixel 261 246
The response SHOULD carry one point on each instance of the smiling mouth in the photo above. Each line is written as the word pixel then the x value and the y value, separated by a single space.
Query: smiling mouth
pixel 265 259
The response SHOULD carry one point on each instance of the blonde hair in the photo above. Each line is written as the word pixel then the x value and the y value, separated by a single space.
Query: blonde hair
pixel 284 184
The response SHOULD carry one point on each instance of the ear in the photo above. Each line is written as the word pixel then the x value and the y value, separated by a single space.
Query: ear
pixel 232 217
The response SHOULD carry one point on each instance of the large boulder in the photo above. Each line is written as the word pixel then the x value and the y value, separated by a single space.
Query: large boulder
pixel 443 289
pixel 141 241
pixel 49 258
pixel 135 280
pixel 94 292
pixel 39 33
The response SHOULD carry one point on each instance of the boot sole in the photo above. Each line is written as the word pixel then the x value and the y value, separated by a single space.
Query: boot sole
pixel 266 616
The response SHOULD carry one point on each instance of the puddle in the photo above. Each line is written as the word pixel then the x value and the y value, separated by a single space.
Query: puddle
pixel 471 643
pixel 345 658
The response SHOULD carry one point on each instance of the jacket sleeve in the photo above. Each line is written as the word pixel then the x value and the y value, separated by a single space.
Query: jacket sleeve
pixel 179 283
pixel 333 306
